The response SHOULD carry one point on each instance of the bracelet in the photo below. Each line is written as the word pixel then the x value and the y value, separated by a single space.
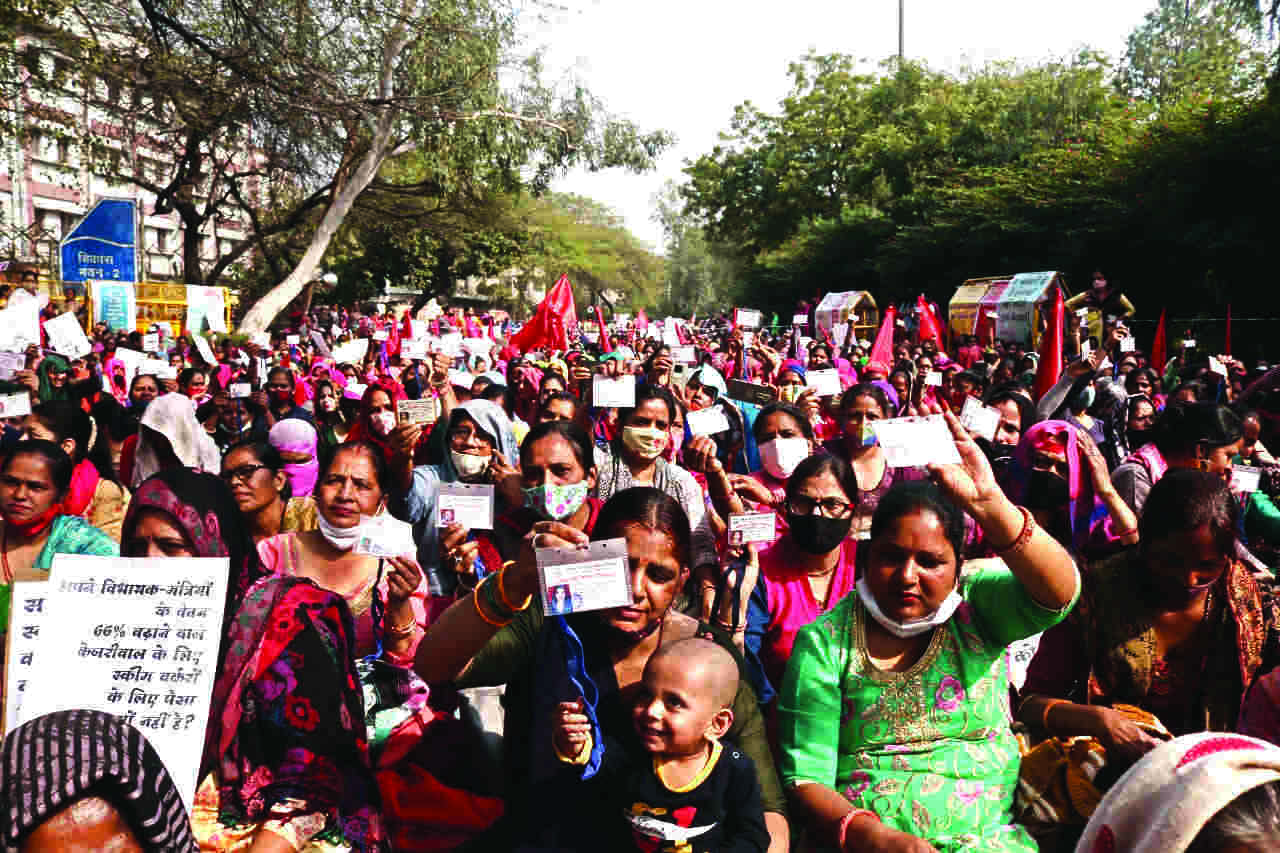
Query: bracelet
pixel 729 629
pixel 1044 714
pixel 502 591
pixel 1120 534
pixel 404 630
pixel 491 598
pixel 850 817
pixel 475 599
pixel 1024 535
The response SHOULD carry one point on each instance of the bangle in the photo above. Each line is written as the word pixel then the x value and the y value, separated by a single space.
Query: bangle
pixel 1044 714
pixel 850 817
pixel 1024 535
pixel 475 599
pixel 491 598
pixel 502 591
pixel 403 630
pixel 1120 534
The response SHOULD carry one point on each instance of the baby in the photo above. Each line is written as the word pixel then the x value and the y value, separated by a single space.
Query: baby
pixel 688 792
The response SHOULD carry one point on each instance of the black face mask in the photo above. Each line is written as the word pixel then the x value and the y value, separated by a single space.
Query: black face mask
pixel 817 534
pixel 1046 490
pixel 1138 437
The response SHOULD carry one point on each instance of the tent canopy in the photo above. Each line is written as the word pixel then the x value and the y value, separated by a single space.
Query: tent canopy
pixel 1015 301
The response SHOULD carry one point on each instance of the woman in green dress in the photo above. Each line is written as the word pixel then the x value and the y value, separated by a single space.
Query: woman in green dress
pixel 894 713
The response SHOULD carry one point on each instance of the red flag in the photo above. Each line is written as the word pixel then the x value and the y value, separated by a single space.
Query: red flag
pixel 605 346
pixel 552 323
pixel 928 322
pixel 1227 349
pixel 1159 350
pixel 1050 367
pixel 882 349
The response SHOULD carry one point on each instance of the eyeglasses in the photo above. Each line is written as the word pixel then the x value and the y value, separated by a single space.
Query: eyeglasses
pixel 243 473
pixel 831 507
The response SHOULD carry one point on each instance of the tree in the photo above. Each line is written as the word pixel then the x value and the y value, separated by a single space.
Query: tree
pixel 1186 48
pixel 697 278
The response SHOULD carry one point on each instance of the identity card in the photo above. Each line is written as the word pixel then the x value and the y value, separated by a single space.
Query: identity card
pixel 595 577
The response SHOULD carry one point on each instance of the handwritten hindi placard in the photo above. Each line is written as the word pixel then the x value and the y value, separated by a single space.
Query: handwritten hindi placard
pixel 28 610
pixel 138 638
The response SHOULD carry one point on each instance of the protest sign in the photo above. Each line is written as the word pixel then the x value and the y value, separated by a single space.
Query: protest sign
pixel 413 350
pixel 66 337
pixel 15 405
pixel 138 638
pixel 11 363
pixel 115 303
pixel 206 351
pixel 981 421
pixel 27 614
pixel 206 305
pixel 352 352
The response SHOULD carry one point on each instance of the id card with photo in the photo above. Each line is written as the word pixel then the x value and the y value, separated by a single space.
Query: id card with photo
pixel 15 405
pixel 609 393
pixel 981 421
pixel 424 411
pixel 468 504
pixel 933 378
pixel 240 390
pixel 1245 479
pixel 11 363
pixel 916 442
pixel 413 350
pixel 707 421
pixel 384 536
pixel 825 383
pixel 574 580
pixel 746 527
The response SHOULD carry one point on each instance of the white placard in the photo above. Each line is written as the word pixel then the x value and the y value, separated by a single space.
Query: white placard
pixel 800 320
pixel 20 324
pixel 384 536
pixel 380 335
pixel 15 405
pixel 609 393
pixel 240 390
pixel 746 318
pixel 684 355
pixel 158 368
pixel 595 577
pixel 352 352
pixel 1020 654
pixel 1128 344
pixel 66 337
pixel 1245 479
pixel 1189 344
pixel 468 504
pixel 151 342
pixel 413 350
pixel 137 638
pixel 261 339
pixel 461 378
pixel 451 344
pixel 206 351
pixel 981 421
pixel 11 363
pixel 707 421
pixel 1217 367
pixel 132 360
pixel 745 527
pixel 477 347
pixel 933 378
pixel 825 383
pixel 916 442
pixel 292 340
pixel 424 411
pixel 28 612
pixel 354 390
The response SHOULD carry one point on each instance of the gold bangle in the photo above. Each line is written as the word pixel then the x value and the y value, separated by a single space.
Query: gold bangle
pixel 502 591
pixel 404 630
pixel 1044 714
pixel 475 599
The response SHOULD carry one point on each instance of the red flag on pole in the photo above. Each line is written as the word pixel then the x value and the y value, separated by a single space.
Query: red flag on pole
pixel 1227 348
pixel 1159 350
pixel 882 349
pixel 552 323
pixel 1050 367
pixel 928 322
pixel 605 346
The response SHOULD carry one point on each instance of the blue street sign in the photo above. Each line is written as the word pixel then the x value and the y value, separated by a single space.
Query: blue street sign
pixel 103 247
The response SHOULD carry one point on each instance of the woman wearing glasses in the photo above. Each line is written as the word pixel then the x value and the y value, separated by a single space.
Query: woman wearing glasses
pixel 254 471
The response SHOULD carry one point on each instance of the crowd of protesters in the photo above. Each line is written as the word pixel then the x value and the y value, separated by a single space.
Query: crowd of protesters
pixel 1068 636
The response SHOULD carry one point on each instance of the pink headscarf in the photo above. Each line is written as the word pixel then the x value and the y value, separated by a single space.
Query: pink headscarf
pixel 1080 488
pixel 294 435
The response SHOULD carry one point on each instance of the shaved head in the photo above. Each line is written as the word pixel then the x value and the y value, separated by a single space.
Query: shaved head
pixel 709 665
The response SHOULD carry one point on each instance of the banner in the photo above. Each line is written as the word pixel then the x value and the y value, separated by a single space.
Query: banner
pixel 116 304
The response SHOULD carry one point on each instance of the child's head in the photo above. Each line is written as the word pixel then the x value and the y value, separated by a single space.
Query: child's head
pixel 685 697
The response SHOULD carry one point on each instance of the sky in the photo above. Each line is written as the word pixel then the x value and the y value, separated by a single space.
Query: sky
pixel 683 65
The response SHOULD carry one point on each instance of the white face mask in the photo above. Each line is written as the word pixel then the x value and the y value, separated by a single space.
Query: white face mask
pixel 382 423
pixel 908 629
pixel 342 538
pixel 781 456
pixel 468 465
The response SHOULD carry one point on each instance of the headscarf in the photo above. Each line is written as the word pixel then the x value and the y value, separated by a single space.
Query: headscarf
pixel 47 392
pixel 795 367
pixel 294 435
pixel 490 419
pixel 1079 484
pixel 172 416
pixel 709 377
pixel 1163 802
pixel 360 430
pixel 54 760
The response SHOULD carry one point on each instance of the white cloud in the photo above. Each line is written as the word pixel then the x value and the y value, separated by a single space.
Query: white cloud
pixel 684 64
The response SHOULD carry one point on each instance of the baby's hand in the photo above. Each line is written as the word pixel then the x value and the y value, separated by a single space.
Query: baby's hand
pixel 572 729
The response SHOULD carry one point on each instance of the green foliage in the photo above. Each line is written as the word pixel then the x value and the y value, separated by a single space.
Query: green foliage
pixel 697 280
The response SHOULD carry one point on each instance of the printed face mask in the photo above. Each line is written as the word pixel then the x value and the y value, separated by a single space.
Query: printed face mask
pixel 555 501
pixel 646 442
pixel 382 423
pixel 790 393
pixel 781 456
pixel 468 465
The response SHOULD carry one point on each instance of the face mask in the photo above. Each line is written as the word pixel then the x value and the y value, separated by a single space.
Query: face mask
pixel 36 525
pixel 1047 491
pixel 328 404
pixel 555 501
pixel 905 630
pixel 468 465
pixel 302 477
pixel 781 456
pixel 1086 397
pixel 790 393
pixel 382 423
pixel 817 534
pixel 281 395
pixel 645 442
pixel 865 438
pixel 342 538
